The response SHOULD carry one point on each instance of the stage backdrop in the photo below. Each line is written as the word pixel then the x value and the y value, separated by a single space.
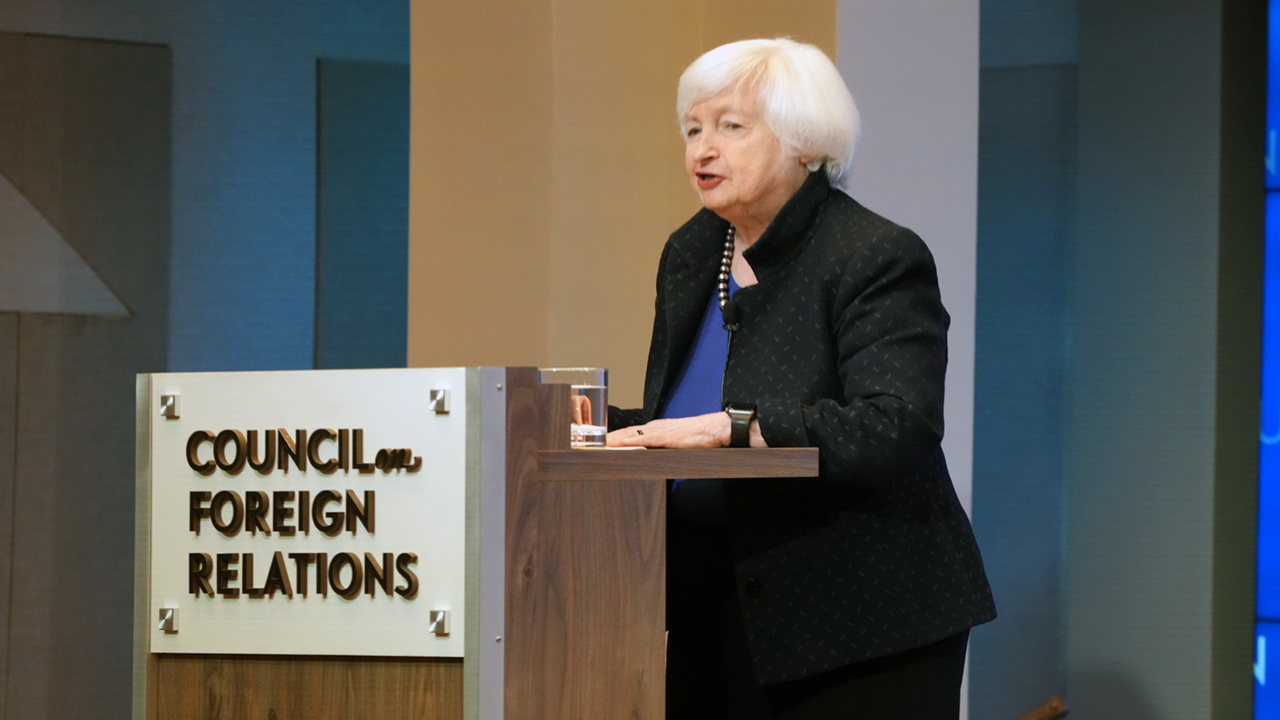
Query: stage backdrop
pixel 536 242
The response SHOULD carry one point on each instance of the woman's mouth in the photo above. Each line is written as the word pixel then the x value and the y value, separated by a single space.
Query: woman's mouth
pixel 706 181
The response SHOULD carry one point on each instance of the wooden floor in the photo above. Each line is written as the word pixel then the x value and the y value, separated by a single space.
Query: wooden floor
pixel 252 687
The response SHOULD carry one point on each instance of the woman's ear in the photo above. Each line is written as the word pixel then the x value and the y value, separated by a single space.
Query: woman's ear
pixel 810 162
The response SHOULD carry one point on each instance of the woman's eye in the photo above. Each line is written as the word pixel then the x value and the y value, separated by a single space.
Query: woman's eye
pixel 690 132
pixel 732 126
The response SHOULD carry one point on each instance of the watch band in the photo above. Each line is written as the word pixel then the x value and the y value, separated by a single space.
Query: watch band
pixel 740 417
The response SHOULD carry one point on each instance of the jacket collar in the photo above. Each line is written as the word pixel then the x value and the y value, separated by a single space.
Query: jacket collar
pixel 695 262
pixel 687 286
pixel 701 240
pixel 792 226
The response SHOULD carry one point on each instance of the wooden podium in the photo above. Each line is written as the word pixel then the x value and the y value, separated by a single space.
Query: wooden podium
pixel 565 587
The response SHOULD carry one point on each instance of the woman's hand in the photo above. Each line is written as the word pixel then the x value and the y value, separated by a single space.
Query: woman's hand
pixel 700 431
pixel 581 409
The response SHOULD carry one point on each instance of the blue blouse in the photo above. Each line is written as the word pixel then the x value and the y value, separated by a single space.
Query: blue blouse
pixel 698 391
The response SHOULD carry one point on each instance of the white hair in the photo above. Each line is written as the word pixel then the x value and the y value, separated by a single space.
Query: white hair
pixel 804 100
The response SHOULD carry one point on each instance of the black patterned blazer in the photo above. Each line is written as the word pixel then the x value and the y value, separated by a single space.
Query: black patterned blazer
pixel 842 346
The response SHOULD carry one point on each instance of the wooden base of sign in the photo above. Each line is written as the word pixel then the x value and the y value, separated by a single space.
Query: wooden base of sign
pixel 205 687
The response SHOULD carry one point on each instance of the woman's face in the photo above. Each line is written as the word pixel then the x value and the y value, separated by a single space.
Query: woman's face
pixel 735 163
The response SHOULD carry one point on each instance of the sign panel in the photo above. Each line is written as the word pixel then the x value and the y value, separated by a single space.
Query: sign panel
pixel 313 513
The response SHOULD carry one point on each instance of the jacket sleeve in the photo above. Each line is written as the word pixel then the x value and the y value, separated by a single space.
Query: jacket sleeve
pixel 624 417
pixel 889 335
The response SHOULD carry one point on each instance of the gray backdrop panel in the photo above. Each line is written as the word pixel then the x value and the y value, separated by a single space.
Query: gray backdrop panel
pixel 87 140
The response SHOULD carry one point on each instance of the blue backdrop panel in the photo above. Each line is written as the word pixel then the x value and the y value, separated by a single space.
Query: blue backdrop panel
pixel 1266 680
pixel 1267 696
pixel 1269 455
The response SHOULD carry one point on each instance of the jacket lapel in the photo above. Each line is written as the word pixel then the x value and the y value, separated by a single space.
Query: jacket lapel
pixel 687 288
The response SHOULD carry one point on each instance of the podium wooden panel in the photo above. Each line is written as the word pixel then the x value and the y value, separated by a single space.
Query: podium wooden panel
pixel 583 632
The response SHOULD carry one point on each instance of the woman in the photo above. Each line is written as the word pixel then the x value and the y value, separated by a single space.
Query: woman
pixel 815 322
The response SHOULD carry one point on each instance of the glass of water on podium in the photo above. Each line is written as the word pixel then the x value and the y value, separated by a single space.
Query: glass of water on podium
pixel 589 393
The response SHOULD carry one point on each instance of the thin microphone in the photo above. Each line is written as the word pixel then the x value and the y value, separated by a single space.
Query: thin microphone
pixel 729 313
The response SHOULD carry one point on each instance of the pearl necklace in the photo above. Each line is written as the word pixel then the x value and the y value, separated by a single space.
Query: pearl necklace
pixel 728 311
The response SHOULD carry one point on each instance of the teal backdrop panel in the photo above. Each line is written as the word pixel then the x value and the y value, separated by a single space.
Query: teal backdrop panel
pixel 362 207
pixel 1026 193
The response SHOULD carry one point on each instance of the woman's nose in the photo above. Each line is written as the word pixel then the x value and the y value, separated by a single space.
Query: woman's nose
pixel 703 148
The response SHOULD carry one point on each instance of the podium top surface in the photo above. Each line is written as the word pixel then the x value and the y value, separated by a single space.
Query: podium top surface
pixel 657 464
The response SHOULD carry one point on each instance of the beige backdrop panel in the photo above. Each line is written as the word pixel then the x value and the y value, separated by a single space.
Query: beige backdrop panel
pixel 618 183
pixel 480 183
pixel 549 247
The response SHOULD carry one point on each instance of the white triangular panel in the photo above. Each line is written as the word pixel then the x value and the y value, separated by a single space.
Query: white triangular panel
pixel 39 271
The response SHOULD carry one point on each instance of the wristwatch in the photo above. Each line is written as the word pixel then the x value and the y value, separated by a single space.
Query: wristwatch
pixel 740 417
